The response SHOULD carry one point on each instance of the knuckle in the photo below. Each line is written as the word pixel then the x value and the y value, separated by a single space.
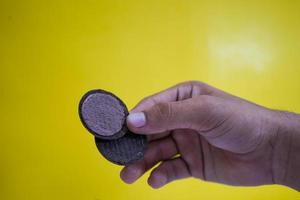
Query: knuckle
pixel 204 88
pixel 198 86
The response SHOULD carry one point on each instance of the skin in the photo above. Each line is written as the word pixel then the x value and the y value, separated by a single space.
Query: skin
pixel 195 130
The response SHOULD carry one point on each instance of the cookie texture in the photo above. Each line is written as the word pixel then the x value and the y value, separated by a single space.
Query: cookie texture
pixel 104 115
pixel 123 151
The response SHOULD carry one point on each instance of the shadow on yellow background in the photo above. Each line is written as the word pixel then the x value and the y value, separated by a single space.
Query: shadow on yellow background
pixel 54 51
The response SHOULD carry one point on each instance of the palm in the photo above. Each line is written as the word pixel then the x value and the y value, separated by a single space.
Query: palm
pixel 207 162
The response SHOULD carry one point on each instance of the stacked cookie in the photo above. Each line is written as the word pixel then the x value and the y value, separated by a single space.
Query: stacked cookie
pixel 104 115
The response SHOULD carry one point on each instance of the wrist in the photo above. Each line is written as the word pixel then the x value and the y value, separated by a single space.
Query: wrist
pixel 286 150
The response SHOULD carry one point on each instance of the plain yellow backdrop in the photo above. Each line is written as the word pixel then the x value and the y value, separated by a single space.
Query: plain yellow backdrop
pixel 52 52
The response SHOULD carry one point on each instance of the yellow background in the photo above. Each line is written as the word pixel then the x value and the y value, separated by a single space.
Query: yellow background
pixel 52 52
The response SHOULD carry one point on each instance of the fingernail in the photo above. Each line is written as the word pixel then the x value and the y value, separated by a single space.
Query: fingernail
pixel 134 172
pixel 131 174
pixel 157 180
pixel 137 119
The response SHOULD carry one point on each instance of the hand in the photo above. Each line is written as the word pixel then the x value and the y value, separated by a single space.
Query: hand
pixel 198 131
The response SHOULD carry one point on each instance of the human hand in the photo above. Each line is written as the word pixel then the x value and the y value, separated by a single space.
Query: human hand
pixel 196 130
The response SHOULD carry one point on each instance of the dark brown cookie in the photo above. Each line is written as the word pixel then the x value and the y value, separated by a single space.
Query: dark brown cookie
pixel 104 115
pixel 125 150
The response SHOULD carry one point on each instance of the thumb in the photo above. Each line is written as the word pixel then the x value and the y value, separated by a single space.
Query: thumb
pixel 167 116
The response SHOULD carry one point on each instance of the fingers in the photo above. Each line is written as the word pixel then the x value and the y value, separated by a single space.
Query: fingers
pixel 158 136
pixel 178 92
pixel 167 172
pixel 157 151
pixel 186 114
pixel 191 151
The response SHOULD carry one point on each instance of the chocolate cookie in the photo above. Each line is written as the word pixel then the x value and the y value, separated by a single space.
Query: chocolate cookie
pixel 104 115
pixel 124 150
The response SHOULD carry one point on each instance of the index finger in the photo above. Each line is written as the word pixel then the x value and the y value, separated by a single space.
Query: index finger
pixel 178 92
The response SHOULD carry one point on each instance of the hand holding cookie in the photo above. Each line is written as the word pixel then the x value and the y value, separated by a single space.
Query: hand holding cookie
pixel 195 130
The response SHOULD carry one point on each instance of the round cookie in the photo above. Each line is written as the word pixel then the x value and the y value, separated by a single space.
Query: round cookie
pixel 123 151
pixel 103 114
